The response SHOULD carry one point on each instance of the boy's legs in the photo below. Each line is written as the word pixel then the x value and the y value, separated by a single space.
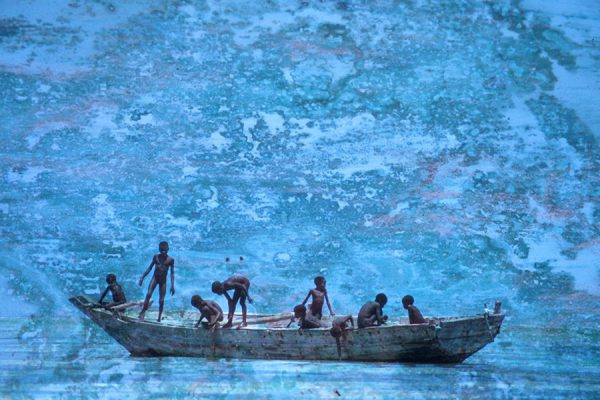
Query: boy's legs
pixel 151 288
pixel 366 322
pixel 162 289
pixel 243 304
pixel 232 305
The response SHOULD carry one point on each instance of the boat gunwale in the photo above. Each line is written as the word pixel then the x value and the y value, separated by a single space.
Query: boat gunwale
pixel 437 322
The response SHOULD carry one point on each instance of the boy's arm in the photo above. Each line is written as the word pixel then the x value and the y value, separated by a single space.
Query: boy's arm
pixel 173 277
pixel 328 305
pixel 147 271
pixel 103 294
pixel 307 297
pixel 243 289
pixel 411 317
pixel 378 316
pixel 218 314
pixel 350 319
pixel 198 323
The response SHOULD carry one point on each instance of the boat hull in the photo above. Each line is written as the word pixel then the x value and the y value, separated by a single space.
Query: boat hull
pixel 450 340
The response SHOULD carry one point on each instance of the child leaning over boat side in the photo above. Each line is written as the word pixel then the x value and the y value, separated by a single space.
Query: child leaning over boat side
pixel 414 315
pixel 208 309
pixel 340 326
pixel 239 285
pixel 115 289
pixel 319 296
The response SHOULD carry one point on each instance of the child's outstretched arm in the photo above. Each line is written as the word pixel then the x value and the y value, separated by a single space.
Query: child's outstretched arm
pixel 378 316
pixel 243 289
pixel 307 297
pixel 328 304
pixel 147 271
pixel 172 278
pixel 218 315
pixel 104 294
pixel 227 296
pixel 201 317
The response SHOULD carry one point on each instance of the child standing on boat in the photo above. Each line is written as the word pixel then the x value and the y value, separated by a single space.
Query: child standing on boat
pixel 162 263
pixel 319 296
pixel 239 285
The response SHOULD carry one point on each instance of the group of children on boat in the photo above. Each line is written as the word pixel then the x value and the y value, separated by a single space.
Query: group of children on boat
pixel 370 314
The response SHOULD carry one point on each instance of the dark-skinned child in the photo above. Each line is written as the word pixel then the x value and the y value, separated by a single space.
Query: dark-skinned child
pixel 239 285
pixel 162 263
pixel 115 289
pixel 371 313
pixel 319 296
pixel 208 309
pixel 414 315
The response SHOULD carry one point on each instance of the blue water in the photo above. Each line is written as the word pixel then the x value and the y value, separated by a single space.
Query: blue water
pixel 444 149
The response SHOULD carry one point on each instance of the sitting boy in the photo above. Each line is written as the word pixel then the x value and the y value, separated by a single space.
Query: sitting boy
pixel 208 309
pixel 115 289
pixel 414 315
pixel 370 314
pixel 305 321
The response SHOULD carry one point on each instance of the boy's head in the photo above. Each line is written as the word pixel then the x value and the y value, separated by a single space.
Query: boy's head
pixel 217 287
pixel 299 311
pixel 407 300
pixel 320 281
pixel 111 278
pixel 197 301
pixel 163 247
pixel 381 298
pixel 336 331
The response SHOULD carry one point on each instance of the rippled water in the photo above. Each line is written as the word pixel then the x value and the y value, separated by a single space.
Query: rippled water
pixel 443 149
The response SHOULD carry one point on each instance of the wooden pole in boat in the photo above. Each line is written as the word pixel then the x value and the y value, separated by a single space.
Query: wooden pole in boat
pixel 265 320
pixel 120 307
pixel 133 304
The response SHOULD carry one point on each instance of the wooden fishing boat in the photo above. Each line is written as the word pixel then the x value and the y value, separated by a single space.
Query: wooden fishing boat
pixel 443 340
